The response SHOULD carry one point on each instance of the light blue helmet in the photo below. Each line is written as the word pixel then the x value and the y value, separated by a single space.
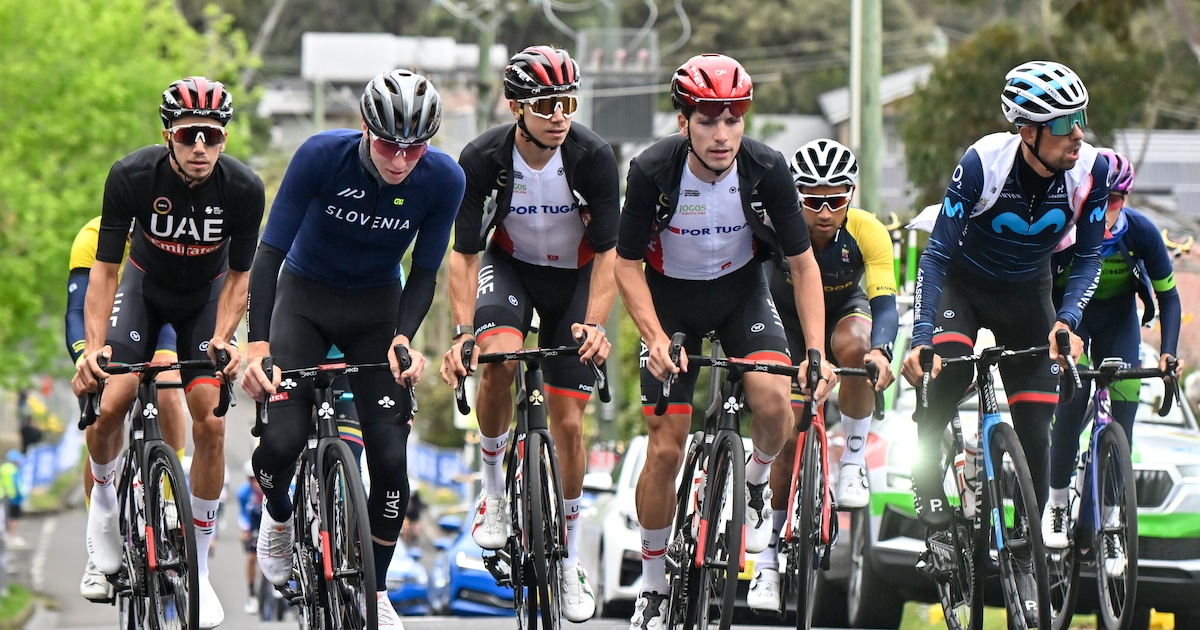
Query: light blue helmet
pixel 1038 91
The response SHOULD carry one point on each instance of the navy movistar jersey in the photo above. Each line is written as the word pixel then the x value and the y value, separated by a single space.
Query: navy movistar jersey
pixel 1011 242
pixel 341 228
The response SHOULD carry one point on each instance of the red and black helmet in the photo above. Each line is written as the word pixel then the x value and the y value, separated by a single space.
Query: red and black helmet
pixel 196 96
pixel 711 78
pixel 540 71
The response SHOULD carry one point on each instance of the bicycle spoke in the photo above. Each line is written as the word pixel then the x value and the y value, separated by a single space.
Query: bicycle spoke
pixel 682 576
pixel 171 577
pixel 950 561
pixel 350 591
pixel 721 533
pixel 1019 551
pixel 1115 544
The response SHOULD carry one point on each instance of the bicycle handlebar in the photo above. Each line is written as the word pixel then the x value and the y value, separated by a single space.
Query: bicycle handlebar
pixel 664 396
pixel 150 369
pixel 1109 373
pixel 600 371
pixel 1067 386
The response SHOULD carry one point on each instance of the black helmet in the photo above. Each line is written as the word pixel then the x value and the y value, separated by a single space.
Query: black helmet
pixel 196 96
pixel 540 71
pixel 401 106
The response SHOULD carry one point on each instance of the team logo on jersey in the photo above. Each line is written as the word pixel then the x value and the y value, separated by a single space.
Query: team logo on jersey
pixel 353 193
pixel 948 314
pixel 733 190
pixel 214 210
pixel 162 205
pixel 560 171
pixel 1054 220
pixel 692 208
pixel 386 402
pixel 687 192
pixel 757 327
pixel 512 299
pixel 952 211
pixel 135 335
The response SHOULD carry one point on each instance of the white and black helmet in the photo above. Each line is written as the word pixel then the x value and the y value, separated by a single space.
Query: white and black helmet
pixel 1038 91
pixel 824 162
pixel 401 106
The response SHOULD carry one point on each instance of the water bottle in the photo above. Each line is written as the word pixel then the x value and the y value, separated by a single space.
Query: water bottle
pixel 697 494
pixel 971 453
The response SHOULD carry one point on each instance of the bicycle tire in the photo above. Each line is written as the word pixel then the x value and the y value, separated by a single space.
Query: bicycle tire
pixel 683 577
pixel 171 576
pixel 809 497
pixel 349 564
pixel 1062 568
pixel 1019 550
pixel 545 534
pixel 519 571
pixel 955 553
pixel 1117 592
pixel 132 606
pixel 721 529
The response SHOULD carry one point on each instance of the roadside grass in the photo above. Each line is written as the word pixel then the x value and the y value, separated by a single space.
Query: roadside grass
pixel 15 607
pixel 919 616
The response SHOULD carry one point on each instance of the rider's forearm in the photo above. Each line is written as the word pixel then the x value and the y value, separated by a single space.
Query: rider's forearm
pixel 231 305
pixel 635 293
pixel 102 289
pixel 602 288
pixel 464 282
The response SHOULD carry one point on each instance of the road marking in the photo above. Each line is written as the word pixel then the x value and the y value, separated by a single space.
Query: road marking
pixel 37 564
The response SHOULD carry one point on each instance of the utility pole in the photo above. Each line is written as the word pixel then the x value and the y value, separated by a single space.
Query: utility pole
pixel 866 130
pixel 486 16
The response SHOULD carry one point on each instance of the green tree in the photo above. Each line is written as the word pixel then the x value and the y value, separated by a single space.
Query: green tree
pixel 81 82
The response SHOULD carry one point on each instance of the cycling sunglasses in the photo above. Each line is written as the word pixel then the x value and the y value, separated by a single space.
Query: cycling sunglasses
pixel 392 149
pixel 714 108
pixel 545 106
pixel 817 203
pixel 189 135
pixel 1064 125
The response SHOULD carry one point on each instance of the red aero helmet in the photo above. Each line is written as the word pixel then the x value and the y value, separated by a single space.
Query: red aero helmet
pixel 712 78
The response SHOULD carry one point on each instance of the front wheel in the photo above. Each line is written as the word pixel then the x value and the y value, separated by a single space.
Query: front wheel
pixel 723 520
pixel 810 494
pixel 348 563
pixel 171 547
pixel 1116 534
pixel 954 554
pixel 546 535
pixel 1016 524
pixel 683 577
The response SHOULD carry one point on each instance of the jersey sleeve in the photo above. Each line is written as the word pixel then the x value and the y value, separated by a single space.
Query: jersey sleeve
pixel 784 209
pixel 1150 248
pixel 243 239
pixel 468 224
pixel 116 216
pixel 1089 236
pixel 434 233
pixel 635 227
pixel 876 246
pixel 961 196
pixel 83 248
pixel 603 184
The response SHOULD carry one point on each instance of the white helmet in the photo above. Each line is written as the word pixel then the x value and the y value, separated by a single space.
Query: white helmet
pixel 1038 91
pixel 824 162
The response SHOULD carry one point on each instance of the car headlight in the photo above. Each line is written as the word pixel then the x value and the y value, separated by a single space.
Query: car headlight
pixel 464 560
pixel 1190 473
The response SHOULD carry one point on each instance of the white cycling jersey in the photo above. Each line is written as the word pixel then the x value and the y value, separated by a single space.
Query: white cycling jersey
pixel 543 226
pixel 708 236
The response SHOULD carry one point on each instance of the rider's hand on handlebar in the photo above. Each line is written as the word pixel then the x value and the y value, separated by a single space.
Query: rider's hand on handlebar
pixel 659 362
pixel 595 344
pixel 235 359
pixel 257 383
pixel 1164 365
pixel 411 376
pixel 911 368
pixel 88 373
pixel 886 377
pixel 824 384
pixel 1076 345
pixel 453 369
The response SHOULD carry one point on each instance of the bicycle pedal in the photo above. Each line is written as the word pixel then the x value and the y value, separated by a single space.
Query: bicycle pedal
pixel 500 566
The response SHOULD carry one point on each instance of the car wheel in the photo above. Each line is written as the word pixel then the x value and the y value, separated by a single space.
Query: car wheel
pixel 830 605
pixel 598 583
pixel 1141 620
pixel 870 603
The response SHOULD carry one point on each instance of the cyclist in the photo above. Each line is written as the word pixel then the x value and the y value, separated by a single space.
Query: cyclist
pixel 555 210
pixel 94 586
pixel 690 212
pixel 850 246
pixel 196 215
pixel 249 497
pixel 351 204
pixel 1134 261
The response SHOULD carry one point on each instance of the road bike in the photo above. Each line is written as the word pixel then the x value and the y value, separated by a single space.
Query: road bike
pixel 333 562
pixel 1102 504
pixel 531 560
pixel 811 528
pixel 157 587
pixel 996 523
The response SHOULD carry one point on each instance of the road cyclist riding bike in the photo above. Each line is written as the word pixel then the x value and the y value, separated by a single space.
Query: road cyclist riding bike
pixel 351 204
pixel 690 243
pixel 531 559
pixel 1101 524
pixel 548 187
pixel 196 216
pixel 850 246
pixel 158 586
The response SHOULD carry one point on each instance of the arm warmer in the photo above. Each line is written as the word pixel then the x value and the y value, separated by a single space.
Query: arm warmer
pixel 885 321
pixel 415 300
pixel 77 283
pixel 264 276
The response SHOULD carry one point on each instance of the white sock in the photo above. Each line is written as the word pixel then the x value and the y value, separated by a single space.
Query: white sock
pixel 572 518
pixel 654 559
pixel 856 440
pixel 1059 496
pixel 769 558
pixel 104 491
pixel 491 450
pixel 204 516
pixel 758 469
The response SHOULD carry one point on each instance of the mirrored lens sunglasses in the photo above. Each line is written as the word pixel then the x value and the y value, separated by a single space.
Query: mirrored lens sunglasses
pixel 189 135
pixel 392 149
pixel 817 203
pixel 545 106
pixel 714 109
pixel 1064 125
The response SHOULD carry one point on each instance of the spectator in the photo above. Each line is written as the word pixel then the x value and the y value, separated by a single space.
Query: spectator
pixel 14 496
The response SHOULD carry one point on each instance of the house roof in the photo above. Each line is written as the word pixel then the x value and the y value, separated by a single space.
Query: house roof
pixel 835 104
